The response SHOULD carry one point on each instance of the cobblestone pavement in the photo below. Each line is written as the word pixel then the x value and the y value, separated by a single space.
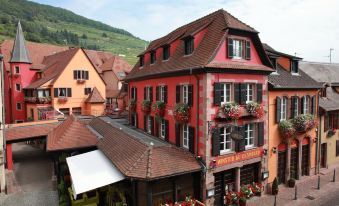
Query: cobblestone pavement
pixel 31 182
pixel 307 192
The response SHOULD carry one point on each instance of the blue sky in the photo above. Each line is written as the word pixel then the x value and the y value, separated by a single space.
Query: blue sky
pixel 306 27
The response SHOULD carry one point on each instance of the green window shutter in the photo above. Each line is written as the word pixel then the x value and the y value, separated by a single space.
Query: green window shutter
pixel 56 92
pixel 260 134
pixel 237 93
pixel 190 95
pixel 259 93
pixel 165 94
pixel 74 74
pixel 145 125
pixel 278 110
pixel 157 94
pixel 230 48
pixel 69 92
pixel 151 94
pixel 177 135
pixel 167 130
pixel 240 144
pixel 248 50
pixel 216 142
pixel 191 139
pixel 145 91
pixel 152 125
pixel 177 93
pixel 217 94
pixel 243 92
pixel 314 105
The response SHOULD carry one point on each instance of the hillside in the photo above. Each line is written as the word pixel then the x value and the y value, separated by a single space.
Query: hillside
pixel 47 24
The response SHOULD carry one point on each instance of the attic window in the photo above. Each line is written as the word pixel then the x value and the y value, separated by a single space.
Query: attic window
pixel 153 57
pixel 166 52
pixel 295 66
pixel 274 63
pixel 239 49
pixel 189 45
pixel 141 61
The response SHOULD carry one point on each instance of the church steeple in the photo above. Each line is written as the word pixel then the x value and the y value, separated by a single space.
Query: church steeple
pixel 20 53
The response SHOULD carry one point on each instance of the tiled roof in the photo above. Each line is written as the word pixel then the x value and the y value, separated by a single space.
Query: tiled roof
pixel 71 134
pixel 30 131
pixel 112 93
pixel 286 80
pixel 331 101
pixel 321 72
pixel 136 159
pixel 98 57
pixel 272 51
pixel 116 64
pixel 95 97
pixel 216 25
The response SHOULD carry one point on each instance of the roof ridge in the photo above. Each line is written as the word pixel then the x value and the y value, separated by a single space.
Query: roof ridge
pixel 149 162
pixel 133 166
pixel 225 13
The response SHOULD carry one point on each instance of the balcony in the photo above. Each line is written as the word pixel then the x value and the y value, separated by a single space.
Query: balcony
pixel 232 111
pixel 38 100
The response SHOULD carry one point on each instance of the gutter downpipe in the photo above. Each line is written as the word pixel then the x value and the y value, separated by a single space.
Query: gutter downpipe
pixel 318 146
pixel 197 114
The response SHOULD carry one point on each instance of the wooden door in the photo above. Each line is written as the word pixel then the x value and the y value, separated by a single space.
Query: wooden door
pixel 281 167
pixel 294 163
pixel 323 153
pixel 221 180
pixel 305 160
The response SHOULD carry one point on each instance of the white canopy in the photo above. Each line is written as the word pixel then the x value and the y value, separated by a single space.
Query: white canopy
pixel 92 170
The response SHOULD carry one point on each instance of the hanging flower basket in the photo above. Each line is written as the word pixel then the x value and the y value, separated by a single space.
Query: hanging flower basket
pixel 158 108
pixel 132 105
pixel 182 113
pixel 146 106
pixel 231 110
pixel 287 129
pixel 331 132
pixel 255 109
pixel 304 123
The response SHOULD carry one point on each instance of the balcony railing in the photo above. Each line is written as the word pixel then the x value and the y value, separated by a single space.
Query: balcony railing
pixel 38 100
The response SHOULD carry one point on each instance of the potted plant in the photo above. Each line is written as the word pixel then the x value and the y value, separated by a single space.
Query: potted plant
pixel 242 201
pixel 231 110
pixel 146 106
pixel 232 198
pixel 331 132
pixel 275 187
pixel 255 109
pixel 158 108
pixel 132 105
pixel 304 123
pixel 256 189
pixel 246 191
pixel 291 182
pixel 286 129
pixel 181 112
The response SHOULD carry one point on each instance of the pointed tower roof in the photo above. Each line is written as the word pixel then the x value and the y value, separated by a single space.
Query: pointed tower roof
pixel 20 52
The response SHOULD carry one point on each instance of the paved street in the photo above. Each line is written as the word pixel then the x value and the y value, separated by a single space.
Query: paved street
pixel 31 182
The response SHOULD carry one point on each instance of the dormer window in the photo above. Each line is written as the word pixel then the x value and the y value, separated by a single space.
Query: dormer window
pixel 153 57
pixel 189 45
pixel 239 49
pixel 274 63
pixel 295 66
pixel 141 61
pixel 166 52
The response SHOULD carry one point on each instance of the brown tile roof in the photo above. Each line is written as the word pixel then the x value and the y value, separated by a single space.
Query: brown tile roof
pixel 30 131
pixel 71 134
pixel 95 97
pixel 98 57
pixel 135 159
pixel 37 51
pixel 116 64
pixel 216 24
pixel 331 101
pixel 112 93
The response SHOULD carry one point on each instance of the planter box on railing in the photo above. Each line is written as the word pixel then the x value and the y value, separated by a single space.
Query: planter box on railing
pixel 81 81
pixel 62 99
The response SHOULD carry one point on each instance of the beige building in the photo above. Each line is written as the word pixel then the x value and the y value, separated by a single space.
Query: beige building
pixel 2 120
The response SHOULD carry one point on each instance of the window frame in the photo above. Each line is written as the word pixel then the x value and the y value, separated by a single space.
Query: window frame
pixel 16 87
pixel 166 52
pixel 81 74
pixel 223 93
pixel 184 94
pixel 16 106
pixel 153 57
pixel 283 108
pixel 148 93
pixel 306 105
pixel 162 126
pixel 248 85
pixel 294 67
pixel 141 61
pixel 87 90
pixel 59 90
pixel 149 124
pixel 226 137
pixel 162 93
pixel 248 137
pixel 239 47
pixel 17 69
pixel 185 136
pixel 189 45
pixel 296 106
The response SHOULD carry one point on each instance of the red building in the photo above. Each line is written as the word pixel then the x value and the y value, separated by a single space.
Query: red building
pixel 212 76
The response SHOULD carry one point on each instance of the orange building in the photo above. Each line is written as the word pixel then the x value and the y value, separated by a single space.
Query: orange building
pixel 293 107
pixel 68 84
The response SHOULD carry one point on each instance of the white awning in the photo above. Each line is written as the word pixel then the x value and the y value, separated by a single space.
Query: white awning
pixel 92 170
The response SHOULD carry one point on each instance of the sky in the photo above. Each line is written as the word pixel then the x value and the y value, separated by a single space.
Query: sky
pixel 307 28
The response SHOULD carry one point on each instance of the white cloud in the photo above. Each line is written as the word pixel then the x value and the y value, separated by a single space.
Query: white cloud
pixel 308 27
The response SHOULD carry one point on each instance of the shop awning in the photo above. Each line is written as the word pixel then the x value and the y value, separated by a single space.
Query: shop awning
pixel 92 170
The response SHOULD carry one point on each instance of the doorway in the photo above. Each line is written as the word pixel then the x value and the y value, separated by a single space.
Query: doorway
pixel 323 160
pixel 281 167
pixel 305 160
pixel 294 163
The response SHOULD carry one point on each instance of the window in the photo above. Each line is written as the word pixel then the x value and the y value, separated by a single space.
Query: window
pixel 153 57
pixel 80 75
pixel 274 63
pixel 148 93
pixel 134 93
pixel 19 121
pixel 18 87
pixel 18 106
pixel 185 94
pixel 185 136
pixel 294 66
pixel 163 128
pixel 337 148
pixel 189 45
pixel 44 93
pixel 87 90
pixel 149 124
pixel 249 93
pixel 225 93
pixel 225 140
pixel 162 93
pixel 166 52
pixel 17 70
pixel 306 105
pixel 283 111
pixel 295 106
pixel 237 49
pixel 134 119
pixel 249 135
pixel 141 61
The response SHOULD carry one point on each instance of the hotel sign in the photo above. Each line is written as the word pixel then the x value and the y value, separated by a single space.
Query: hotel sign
pixel 238 157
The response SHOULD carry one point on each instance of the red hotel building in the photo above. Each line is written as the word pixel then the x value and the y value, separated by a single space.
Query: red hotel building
pixel 214 61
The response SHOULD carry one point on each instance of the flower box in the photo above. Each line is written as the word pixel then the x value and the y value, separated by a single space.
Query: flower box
pixel 182 113
pixel 146 106
pixel 304 123
pixel 81 81
pixel 132 105
pixel 158 108
pixel 331 132
pixel 231 110
pixel 62 99
pixel 255 109
pixel 287 129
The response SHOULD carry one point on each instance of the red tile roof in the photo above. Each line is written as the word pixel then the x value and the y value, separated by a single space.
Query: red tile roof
pixel 30 131
pixel 216 25
pixel 95 97
pixel 116 64
pixel 135 159
pixel 71 134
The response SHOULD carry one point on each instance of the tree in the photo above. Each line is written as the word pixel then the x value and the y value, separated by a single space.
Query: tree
pixel 104 35
pixel 84 36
